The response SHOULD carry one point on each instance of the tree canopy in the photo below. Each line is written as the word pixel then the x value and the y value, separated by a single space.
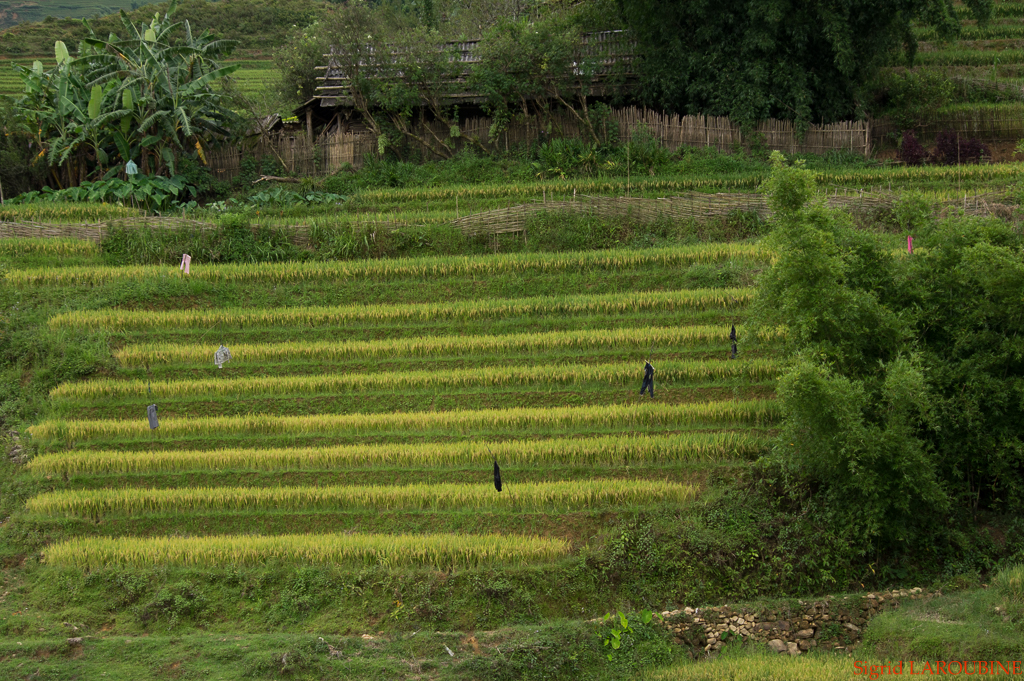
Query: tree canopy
pixel 906 392
pixel 755 59
pixel 396 73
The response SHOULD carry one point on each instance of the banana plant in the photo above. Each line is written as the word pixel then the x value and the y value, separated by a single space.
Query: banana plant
pixel 56 106
pixel 147 96
pixel 174 108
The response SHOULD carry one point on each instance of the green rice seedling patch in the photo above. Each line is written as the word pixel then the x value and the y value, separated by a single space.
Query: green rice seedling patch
pixel 515 193
pixel 993 31
pixel 56 246
pixel 202 294
pixel 173 293
pixel 1000 10
pixel 562 526
pixel 959 56
pixel 755 664
pixel 67 212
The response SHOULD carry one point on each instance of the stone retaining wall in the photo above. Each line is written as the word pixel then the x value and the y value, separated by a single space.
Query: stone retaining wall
pixel 832 624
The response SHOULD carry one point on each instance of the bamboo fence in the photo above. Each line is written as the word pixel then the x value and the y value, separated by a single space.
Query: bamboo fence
pixel 689 206
pixel 95 231
pixel 328 153
pixel 698 207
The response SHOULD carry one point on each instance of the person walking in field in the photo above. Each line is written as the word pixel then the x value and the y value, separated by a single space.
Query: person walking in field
pixel 648 383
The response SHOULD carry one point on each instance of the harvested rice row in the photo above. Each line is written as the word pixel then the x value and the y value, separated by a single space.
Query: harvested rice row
pixel 563 496
pixel 611 450
pixel 141 355
pixel 748 412
pixel 615 303
pixel 441 551
pixel 490 265
pixel 47 246
pixel 618 374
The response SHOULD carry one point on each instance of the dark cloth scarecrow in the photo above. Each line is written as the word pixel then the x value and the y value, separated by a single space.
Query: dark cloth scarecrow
pixel 648 383
pixel 497 476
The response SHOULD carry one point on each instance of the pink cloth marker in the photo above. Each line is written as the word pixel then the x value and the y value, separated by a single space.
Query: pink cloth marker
pixel 910 245
pixel 186 262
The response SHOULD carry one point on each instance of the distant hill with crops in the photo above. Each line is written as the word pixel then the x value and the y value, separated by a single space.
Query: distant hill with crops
pixel 14 12
pixel 256 25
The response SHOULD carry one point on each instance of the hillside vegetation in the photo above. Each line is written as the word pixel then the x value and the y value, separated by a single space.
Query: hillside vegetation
pixel 15 12
pixel 391 423
pixel 335 478
pixel 255 25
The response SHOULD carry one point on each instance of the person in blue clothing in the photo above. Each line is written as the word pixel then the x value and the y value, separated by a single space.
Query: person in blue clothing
pixel 648 383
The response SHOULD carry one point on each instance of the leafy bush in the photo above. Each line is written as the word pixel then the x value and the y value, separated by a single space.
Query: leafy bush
pixel 309 589
pixel 343 183
pixel 912 212
pixel 111 104
pixel 903 374
pixel 711 161
pixel 199 176
pixel 235 241
pixel 951 149
pixel 1010 582
pixel 644 152
pixel 150 191
pixel 250 168
pixel 910 151
pixel 17 171
pixel 278 197
pixel 379 173
pixel 178 603
pixel 566 158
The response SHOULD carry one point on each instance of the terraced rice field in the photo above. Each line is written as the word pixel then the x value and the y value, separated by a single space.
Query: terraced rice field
pixel 365 405
pixel 987 58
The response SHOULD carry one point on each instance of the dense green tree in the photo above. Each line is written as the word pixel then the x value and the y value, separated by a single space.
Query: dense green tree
pixel 753 59
pixel 17 171
pixel 906 392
